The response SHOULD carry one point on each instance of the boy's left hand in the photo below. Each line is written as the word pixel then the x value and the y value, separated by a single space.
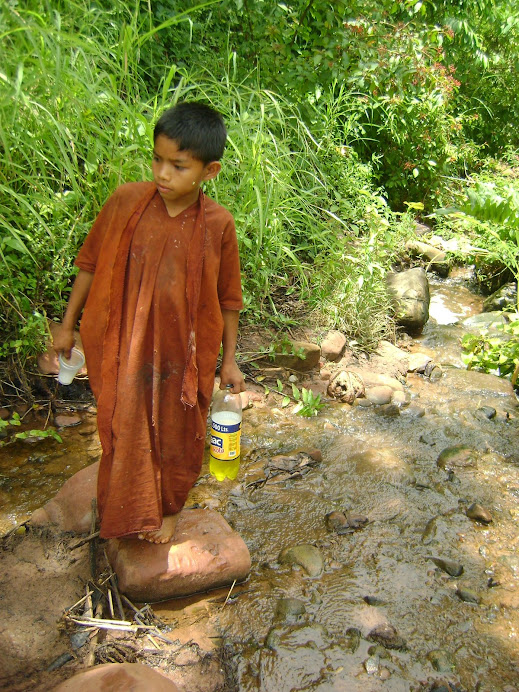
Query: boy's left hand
pixel 230 374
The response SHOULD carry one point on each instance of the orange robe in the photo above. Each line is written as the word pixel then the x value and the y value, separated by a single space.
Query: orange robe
pixel 152 328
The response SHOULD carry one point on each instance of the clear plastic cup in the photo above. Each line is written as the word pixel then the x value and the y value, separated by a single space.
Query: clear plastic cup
pixel 68 367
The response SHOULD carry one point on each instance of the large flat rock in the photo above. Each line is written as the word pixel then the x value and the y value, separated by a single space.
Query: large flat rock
pixel 115 677
pixel 71 508
pixel 205 554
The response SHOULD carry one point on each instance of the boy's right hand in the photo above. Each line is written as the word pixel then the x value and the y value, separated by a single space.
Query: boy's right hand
pixel 63 340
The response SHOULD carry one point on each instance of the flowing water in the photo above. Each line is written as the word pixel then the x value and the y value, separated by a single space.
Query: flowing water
pixel 381 464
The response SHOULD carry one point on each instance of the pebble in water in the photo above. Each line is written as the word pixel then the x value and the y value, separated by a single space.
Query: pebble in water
pixel 479 513
pixel 454 569
pixel 387 635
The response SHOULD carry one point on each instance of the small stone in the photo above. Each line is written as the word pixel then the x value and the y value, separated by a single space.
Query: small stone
pixel 67 420
pixel 290 609
pixel 399 399
pixel 468 595
pixel 386 635
pixel 441 661
pixel 305 555
pixel 4 413
pixel 353 637
pixel 373 601
pixel 379 395
pixel 418 362
pixel 333 345
pixel 413 411
pixel 454 569
pixel 479 514
pixel 485 413
pixel 293 378
pixel 388 410
pixel 458 456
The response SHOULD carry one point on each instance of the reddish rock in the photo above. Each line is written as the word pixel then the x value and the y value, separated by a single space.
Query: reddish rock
pixel 67 420
pixel 71 508
pixel 205 554
pixel 118 676
pixel 333 345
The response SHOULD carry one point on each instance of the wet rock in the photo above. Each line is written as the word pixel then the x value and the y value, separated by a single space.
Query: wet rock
pixel 118 676
pixel 441 660
pixel 386 635
pixel 289 609
pixel 435 531
pixel 379 651
pixel 205 554
pixel 379 394
pixel 459 456
pixel 372 665
pixel 468 595
pixel 479 513
pixel 345 522
pixel 485 413
pixel 346 386
pixel 399 399
pixel 504 297
pixel 395 359
pixel 410 290
pixel 436 259
pixel 71 508
pixel 67 420
pixel 373 601
pixel 451 567
pixel 433 372
pixel 376 379
pixel 388 410
pixel 418 362
pixel 306 556
pixel 333 345
pixel 413 411
pixel 311 353
pixel 352 638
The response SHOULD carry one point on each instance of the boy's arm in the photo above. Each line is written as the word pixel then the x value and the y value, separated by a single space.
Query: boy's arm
pixel 230 372
pixel 63 338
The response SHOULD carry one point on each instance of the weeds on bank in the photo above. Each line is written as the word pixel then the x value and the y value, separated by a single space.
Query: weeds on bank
pixel 76 119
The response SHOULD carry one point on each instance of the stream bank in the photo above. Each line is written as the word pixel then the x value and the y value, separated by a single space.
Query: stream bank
pixel 383 609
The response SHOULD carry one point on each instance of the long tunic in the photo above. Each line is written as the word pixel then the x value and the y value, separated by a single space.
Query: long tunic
pixel 152 328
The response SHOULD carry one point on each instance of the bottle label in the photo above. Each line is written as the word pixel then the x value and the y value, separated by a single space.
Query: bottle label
pixel 225 435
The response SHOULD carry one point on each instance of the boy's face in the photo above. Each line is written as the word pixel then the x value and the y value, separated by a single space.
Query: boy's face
pixel 177 174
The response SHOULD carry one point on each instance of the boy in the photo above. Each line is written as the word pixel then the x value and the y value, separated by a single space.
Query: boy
pixel 159 280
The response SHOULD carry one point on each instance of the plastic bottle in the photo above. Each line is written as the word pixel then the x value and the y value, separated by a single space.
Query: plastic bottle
pixel 226 416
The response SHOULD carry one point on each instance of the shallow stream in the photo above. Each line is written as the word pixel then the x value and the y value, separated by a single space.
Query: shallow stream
pixel 285 630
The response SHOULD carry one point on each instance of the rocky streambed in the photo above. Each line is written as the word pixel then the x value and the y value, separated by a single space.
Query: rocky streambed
pixel 383 538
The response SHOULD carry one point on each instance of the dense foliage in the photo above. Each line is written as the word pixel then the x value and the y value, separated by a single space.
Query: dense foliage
pixel 340 114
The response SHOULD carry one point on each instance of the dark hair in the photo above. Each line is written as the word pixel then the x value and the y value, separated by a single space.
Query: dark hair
pixel 196 128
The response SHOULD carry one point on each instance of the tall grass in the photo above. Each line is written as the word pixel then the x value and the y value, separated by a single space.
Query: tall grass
pixel 76 117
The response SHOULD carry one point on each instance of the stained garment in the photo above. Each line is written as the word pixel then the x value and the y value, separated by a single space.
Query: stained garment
pixel 151 329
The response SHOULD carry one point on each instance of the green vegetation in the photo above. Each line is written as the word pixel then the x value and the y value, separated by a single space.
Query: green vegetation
pixel 497 353
pixel 341 116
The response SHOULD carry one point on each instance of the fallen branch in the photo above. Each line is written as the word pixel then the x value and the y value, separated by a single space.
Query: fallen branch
pixel 84 540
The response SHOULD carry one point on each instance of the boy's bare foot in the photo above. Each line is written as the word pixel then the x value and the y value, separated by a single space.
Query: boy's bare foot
pixel 164 534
